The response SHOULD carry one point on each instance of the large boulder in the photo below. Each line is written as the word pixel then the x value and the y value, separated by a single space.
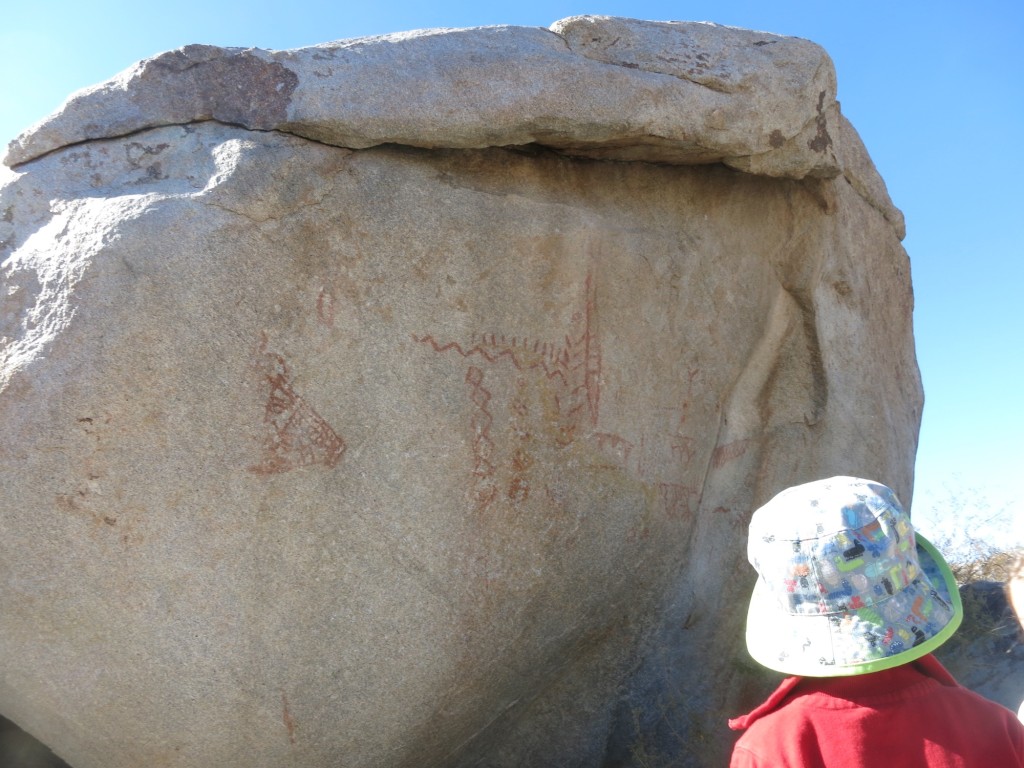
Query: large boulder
pixel 403 401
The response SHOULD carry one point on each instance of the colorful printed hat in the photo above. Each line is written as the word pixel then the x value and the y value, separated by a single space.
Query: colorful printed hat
pixel 845 586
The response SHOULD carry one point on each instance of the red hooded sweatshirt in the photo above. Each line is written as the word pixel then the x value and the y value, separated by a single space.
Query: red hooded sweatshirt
pixel 912 716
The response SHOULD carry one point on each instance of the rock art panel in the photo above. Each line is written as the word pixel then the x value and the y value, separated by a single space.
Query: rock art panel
pixel 343 433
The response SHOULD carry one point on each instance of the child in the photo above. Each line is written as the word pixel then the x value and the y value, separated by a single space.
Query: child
pixel 851 603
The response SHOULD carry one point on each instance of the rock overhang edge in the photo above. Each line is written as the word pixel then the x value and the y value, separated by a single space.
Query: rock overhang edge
pixel 591 86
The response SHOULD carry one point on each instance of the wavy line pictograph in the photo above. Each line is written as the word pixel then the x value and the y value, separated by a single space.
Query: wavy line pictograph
pixel 570 369
pixel 574 363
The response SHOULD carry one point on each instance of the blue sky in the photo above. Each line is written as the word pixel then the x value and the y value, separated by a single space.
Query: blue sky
pixel 936 90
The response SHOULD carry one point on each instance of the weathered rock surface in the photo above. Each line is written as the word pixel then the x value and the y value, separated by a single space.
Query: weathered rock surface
pixel 415 417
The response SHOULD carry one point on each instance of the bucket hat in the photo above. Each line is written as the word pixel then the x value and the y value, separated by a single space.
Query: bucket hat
pixel 845 585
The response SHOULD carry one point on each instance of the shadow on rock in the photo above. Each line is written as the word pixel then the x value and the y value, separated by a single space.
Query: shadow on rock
pixel 20 750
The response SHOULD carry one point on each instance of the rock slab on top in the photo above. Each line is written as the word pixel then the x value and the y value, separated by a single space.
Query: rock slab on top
pixel 595 86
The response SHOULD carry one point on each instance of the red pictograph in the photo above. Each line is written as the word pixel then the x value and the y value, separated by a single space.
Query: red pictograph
pixel 729 452
pixel 568 371
pixel 573 365
pixel 532 394
pixel 295 435
pixel 485 486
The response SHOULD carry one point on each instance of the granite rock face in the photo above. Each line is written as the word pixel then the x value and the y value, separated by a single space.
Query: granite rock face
pixel 403 401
